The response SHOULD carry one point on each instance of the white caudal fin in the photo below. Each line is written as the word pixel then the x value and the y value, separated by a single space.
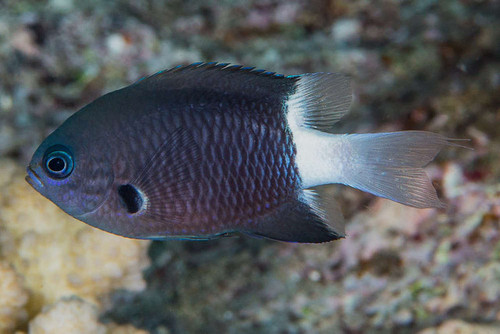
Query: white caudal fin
pixel 391 165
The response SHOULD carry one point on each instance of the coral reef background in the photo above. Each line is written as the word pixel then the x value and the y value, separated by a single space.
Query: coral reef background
pixel 419 65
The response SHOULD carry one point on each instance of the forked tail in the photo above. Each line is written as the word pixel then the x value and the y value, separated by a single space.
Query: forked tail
pixel 390 165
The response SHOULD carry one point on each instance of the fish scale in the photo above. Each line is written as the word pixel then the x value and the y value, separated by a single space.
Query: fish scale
pixel 217 151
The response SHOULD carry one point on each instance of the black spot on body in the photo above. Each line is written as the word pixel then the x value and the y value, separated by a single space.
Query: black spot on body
pixel 130 197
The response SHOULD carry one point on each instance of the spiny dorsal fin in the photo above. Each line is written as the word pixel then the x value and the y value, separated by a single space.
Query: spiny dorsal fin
pixel 220 77
pixel 320 100
pixel 224 67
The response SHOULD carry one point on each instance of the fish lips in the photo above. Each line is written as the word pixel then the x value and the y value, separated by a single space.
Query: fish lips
pixel 33 179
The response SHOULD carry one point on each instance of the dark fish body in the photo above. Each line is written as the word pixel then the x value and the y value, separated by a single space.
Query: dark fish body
pixel 208 149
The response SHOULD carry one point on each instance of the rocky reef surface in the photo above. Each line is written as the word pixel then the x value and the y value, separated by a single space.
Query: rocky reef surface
pixel 420 65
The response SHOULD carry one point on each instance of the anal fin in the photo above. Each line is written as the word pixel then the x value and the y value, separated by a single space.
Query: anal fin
pixel 307 220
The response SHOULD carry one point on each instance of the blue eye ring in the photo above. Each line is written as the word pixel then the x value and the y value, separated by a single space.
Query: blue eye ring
pixel 58 163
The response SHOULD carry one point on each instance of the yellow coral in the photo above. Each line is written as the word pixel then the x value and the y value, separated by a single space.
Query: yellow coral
pixel 76 316
pixel 58 255
pixel 68 316
pixel 13 298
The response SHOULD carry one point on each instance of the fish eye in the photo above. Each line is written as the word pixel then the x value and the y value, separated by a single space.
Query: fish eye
pixel 58 163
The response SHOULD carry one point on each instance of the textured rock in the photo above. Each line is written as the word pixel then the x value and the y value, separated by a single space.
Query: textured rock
pixel 13 298
pixel 67 316
pixel 461 327
pixel 75 316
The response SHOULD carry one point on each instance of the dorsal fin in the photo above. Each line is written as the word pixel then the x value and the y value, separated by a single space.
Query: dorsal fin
pixel 220 77
pixel 319 100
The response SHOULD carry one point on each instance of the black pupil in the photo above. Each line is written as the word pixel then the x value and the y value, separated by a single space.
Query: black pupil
pixel 56 164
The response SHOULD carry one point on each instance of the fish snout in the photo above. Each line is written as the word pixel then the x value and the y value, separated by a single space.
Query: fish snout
pixel 33 179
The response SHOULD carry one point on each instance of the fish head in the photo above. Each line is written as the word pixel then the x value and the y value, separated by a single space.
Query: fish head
pixel 70 170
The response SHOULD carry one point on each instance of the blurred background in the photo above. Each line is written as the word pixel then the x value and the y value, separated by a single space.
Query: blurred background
pixel 416 65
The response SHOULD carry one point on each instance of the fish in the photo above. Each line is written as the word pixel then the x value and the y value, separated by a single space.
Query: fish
pixel 207 150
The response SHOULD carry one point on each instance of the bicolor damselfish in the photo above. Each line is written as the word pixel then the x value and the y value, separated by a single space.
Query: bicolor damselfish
pixel 212 149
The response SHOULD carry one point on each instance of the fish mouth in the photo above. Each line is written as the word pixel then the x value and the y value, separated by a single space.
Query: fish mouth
pixel 33 179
